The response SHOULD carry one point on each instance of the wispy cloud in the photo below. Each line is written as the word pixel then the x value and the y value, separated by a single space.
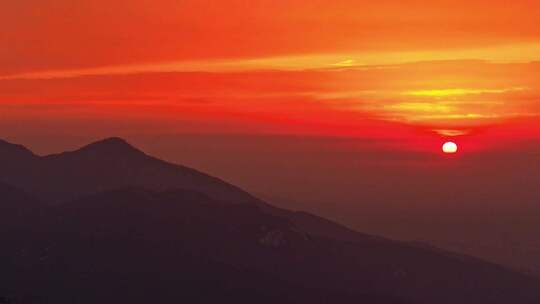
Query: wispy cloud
pixel 365 60
pixel 458 92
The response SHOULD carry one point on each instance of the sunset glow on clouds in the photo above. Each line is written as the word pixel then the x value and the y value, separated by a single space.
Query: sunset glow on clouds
pixel 383 69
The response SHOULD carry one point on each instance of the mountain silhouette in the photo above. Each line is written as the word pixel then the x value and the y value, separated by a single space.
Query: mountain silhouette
pixel 108 164
pixel 115 235
pixel 113 163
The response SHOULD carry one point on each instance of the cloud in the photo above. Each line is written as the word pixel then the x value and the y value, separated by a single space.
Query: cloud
pixel 459 92
pixel 441 95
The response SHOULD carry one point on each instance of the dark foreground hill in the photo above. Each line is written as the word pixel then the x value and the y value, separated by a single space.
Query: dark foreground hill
pixel 136 243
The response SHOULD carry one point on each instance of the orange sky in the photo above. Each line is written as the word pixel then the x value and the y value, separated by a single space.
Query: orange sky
pixel 400 70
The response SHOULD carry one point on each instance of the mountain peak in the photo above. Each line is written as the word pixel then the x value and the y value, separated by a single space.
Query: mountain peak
pixel 113 141
pixel 110 145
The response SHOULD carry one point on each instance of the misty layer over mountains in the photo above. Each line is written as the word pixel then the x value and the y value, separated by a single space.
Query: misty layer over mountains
pixel 108 223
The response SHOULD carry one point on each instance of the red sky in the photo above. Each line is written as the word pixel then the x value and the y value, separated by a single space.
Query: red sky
pixel 412 70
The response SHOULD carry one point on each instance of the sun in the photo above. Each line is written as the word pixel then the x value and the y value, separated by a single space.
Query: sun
pixel 450 147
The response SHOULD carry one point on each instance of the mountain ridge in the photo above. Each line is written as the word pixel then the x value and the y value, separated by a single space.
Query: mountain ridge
pixel 107 164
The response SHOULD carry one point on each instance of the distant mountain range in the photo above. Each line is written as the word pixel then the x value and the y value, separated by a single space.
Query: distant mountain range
pixel 109 224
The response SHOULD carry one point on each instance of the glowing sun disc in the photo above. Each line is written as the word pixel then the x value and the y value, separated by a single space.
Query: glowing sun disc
pixel 450 147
